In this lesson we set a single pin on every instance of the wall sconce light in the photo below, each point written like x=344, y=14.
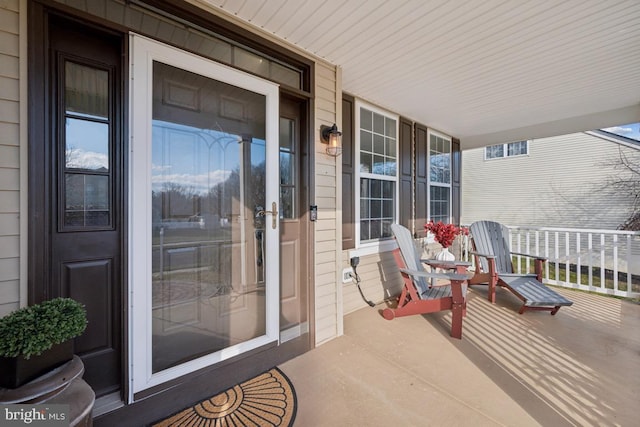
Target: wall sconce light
x=331, y=136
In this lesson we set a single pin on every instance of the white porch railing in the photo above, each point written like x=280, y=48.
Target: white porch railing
x=603, y=261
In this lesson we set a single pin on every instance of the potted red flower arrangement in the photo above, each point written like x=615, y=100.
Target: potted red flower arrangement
x=445, y=234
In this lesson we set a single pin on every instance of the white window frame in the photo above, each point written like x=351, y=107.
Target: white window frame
x=382, y=245
x=505, y=150
x=435, y=183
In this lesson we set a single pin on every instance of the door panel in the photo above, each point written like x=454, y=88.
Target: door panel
x=84, y=182
x=293, y=222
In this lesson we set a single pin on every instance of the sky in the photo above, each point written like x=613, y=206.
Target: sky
x=630, y=131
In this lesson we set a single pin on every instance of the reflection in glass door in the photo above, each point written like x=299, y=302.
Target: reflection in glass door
x=208, y=167
x=209, y=291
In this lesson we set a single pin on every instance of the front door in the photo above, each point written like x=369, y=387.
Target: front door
x=75, y=192
x=294, y=202
x=204, y=217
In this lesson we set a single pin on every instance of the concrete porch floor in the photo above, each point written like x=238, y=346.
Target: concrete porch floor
x=579, y=367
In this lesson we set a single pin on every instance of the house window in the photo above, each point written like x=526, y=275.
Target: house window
x=511, y=149
x=377, y=174
x=439, y=177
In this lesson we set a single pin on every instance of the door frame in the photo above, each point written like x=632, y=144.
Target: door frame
x=144, y=52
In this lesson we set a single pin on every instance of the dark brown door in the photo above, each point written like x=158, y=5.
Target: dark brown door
x=78, y=166
x=293, y=214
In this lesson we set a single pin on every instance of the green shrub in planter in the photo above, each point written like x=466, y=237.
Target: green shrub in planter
x=31, y=330
x=27, y=333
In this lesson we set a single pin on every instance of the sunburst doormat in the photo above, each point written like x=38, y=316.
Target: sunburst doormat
x=266, y=400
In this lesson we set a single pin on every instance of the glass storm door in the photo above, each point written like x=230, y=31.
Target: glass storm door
x=204, y=220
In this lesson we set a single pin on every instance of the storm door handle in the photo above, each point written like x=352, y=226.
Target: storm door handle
x=274, y=214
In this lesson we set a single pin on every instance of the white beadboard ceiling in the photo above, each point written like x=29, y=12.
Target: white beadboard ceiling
x=485, y=71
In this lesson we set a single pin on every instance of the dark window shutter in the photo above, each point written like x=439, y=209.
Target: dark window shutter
x=406, y=169
x=456, y=168
x=348, y=174
x=422, y=181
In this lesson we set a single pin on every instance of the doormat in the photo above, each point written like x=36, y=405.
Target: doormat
x=266, y=400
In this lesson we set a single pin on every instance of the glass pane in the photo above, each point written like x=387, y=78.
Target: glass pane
x=378, y=123
x=286, y=169
x=86, y=200
x=96, y=192
x=376, y=209
x=364, y=230
x=364, y=209
x=287, y=203
x=378, y=165
x=375, y=229
x=366, y=141
x=365, y=190
x=366, y=162
x=86, y=145
x=86, y=91
x=251, y=62
x=376, y=188
x=286, y=134
x=387, y=211
x=378, y=144
x=389, y=167
x=391, y=147
x=74, y=192
x=97, y=218
x=390, y=127
x=287, y=76
x=366, y=119
x=387, y=189
x=208, y=183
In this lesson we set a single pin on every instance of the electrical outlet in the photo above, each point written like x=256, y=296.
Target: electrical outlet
x=346, y=275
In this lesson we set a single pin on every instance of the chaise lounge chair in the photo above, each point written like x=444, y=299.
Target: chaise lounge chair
x=494, y=267
x=417, y=295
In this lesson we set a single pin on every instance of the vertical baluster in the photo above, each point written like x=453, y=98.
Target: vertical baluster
x=546, y=254
x=519, y=257
x=629, y=289
x=567, y=264
x=602, y=255
x=615, y=263
x=578, y=261
x=528, y=251
x=556, y=255
x=590, y=254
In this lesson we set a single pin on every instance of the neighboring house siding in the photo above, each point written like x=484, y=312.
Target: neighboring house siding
x=327, y=242
x=562, y=182
x=9, y=158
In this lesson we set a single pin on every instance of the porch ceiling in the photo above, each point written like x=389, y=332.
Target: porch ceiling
x=485, y=71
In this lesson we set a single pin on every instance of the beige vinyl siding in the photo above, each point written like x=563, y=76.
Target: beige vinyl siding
x=9, y=158
x=562, y=182
x=379, y=280
x=327, y=241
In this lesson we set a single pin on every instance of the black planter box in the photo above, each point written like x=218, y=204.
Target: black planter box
x=16, y=371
